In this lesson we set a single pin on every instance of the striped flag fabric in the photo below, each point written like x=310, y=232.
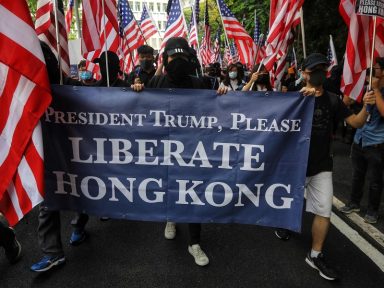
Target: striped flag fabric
x=25, y=95
x=93, y=23
x=331, y=56
x=46, y=30
x=175, y=24
x=192, y=39
x=69, y=15
x=147, y=25
x=215, y=56
x=358, y=48
x=286, y=14
x=236, y=31
x=128, y=27
x=205, y=48
x=259, y=40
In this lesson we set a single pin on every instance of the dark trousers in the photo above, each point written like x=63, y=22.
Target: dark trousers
x=7, y=237
x=367, y=162
x=194, y=233
x=79, y=222
x=49, y=232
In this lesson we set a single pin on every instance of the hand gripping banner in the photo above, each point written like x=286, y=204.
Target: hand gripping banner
x=178, y=155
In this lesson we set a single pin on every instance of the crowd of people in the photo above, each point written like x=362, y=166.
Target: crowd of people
x=180, y=68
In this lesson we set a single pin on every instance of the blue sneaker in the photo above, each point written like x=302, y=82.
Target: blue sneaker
x=77, y=237
x=47, y=262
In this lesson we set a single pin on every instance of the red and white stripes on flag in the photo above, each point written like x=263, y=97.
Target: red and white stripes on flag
x=46, y=30
x=92, y=22
x=68, y=16
x=286, y=15
x=113, y=44
x=332, y=58
x=359, y=45
x=25, y=95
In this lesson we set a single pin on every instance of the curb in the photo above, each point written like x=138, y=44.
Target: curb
x=356, y=222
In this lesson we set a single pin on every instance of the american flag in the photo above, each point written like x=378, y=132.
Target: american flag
x=215, y=57
x=25, y=95
x=131, y=35
x=331, y=56
x=286, y=14
x=205, y=49
x=46, y=30
x=197, y=11
x=231, y=54
x=237, y=32
x=69, y=15
x=358, y=48
x=147, y=25
x=175, y=24
x=93, y=23
x=192, y=39
x=259, y=41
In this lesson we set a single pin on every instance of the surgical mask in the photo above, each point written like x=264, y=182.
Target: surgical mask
x=85, y=75
x=146, y=64
x=232, y=75
x=317, y=78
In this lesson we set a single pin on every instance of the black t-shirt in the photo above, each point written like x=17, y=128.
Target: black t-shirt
x=164, y=81
x=144, y=76
x=326, y=112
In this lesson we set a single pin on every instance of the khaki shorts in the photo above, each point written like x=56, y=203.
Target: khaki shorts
x=319, y=194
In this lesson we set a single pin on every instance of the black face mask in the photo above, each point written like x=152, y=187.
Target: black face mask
x=146, y=64
x=317, y=78
x=178, y=69
x=263, y=79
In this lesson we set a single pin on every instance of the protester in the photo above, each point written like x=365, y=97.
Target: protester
x=318, y=184
x=85, y=76
x=179, y=74
x=259, y=80
x=113, y=71
x=233, y=80
x=367, y=153
x=9, y=242
x=146, y=70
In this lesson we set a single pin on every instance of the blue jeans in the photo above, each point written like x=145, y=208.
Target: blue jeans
x=367, y=162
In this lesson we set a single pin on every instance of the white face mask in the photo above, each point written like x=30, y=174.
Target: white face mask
x=232, y=75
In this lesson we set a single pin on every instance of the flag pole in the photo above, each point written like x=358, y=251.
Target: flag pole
x=303, y=32
x=77, y=19
x=372, y=52
x=105, y=42
x=197, y=37
x=58, y=40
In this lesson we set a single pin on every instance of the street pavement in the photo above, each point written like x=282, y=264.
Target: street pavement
x=131, y=254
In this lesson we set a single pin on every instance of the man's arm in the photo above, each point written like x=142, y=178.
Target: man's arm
x=358, y=120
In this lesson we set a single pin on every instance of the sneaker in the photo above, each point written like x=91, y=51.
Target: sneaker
x=282, y=234
x=349, y=208
x=371, y=217
x=14, y=253
x=319, y=264
x=77, y=237
x=170, y=231
x=47, y=263
x=201, y=258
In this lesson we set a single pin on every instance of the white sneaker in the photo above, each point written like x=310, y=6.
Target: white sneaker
x=201, y=258
x=170, y=231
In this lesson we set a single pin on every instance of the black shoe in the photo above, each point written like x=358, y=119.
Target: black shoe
x=371, y=217
x=349, y=208
x=282, y=234
x=14, y=252
x=320, y=265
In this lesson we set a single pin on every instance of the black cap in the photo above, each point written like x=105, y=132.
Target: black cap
x=177, y=45
x=113, y=59
x=313, y=60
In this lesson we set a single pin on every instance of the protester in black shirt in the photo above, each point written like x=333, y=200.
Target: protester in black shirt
x=146, y=70
x=318, y=184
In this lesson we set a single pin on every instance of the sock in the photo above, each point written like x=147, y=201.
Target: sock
x=314, y=253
